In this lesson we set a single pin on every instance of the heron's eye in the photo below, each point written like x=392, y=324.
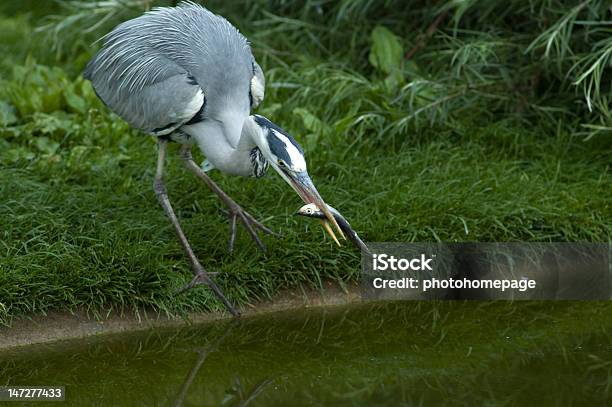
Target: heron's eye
x=282, y=164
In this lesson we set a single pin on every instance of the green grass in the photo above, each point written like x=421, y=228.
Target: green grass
x=80, y=226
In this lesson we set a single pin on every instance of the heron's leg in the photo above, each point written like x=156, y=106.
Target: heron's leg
x=203, y=355
x=200, y=275
x=235, y=211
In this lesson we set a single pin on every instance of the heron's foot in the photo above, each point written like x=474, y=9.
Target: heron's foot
x=237, y=214
x=204, y=278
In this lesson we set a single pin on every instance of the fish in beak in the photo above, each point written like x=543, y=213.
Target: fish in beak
x=314, y=211
x=302, y=184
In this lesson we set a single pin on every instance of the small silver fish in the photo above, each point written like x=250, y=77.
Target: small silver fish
x=312, y=211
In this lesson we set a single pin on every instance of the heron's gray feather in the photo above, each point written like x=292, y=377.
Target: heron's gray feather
x=154, y=68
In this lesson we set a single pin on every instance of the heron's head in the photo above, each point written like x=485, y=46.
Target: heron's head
x=286, y=156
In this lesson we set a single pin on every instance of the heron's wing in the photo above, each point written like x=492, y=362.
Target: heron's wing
x=258, y=85
x=150, y=92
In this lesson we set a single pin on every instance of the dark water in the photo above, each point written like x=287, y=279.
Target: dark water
x=412, y=353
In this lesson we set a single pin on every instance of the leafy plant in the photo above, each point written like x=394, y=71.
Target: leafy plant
x=387, y=55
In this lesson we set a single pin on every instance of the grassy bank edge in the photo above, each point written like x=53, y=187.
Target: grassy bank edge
x=58, y=326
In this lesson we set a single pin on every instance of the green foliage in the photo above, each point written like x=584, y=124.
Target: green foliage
x=387, y=55
x=79, y=22
x=591, y=71
x=527, y=58
x=40, y=89
x=41, y=107
x=7, y=114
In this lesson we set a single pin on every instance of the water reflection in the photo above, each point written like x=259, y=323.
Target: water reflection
x=378, y=354
x=240, y=396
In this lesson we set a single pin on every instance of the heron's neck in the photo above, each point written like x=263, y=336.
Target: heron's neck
x=230, y=148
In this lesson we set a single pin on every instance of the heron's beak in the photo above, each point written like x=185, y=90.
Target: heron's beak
x=302, y=184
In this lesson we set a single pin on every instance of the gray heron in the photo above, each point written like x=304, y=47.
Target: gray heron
x=186, y=75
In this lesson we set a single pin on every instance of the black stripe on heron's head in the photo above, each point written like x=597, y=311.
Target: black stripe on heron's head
x=277, y=146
